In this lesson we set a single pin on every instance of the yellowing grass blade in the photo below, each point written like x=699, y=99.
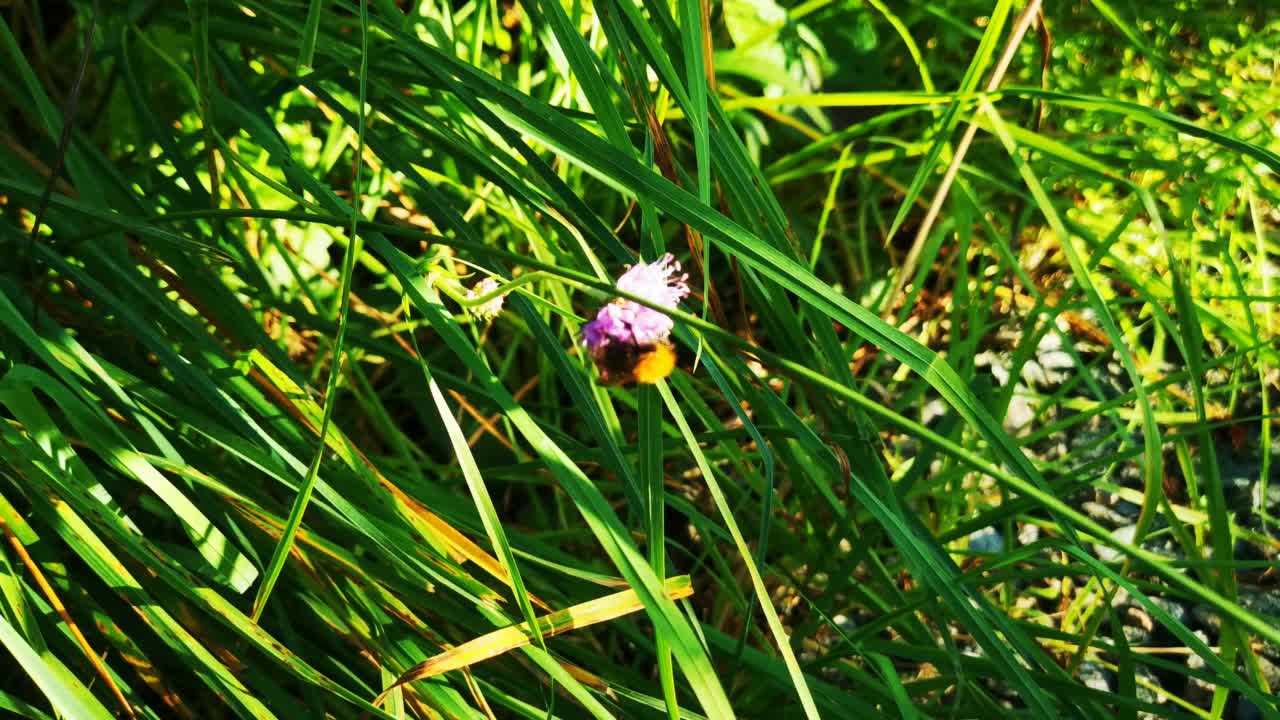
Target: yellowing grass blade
x=512, y=637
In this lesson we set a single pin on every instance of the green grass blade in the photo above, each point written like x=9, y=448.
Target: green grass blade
x=281, y=553
x=780, y=636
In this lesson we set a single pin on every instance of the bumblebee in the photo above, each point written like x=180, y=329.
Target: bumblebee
x=626, y=363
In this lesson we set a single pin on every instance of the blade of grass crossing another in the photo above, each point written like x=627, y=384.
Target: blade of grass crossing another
x=981, y=59
x=199, y=12
x=651, y=478
x=715, y=368
x=281, y=553
x=15, y=605
x=1226, y=674
x=1220, y=535
x=60, y=505
x=64, y=701
x=757, y=581
x=22, y=709
x=586, y=70
x=1265, y=277
x=111, y=445
x=307, y=49
x=603, y=160
x=493, y=528
x=70, y=626
x=651, y=469
x=1148, y=116
x=405, y=269
x=484, y=504
x=693, y=17
x=509, y=638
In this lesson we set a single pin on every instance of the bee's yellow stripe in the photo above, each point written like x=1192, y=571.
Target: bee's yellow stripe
x=655, y=364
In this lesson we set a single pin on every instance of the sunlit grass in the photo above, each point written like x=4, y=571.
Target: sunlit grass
x=972, y=412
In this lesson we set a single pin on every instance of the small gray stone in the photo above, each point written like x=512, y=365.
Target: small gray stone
x=987, y=540
x=1208, y=618
x=1028, y=534
x=1163, y=545
x=931, y=411
x=997, y=363
x=1020, y=411
x=1270, y=672
x=1124, y=535
x=1172, y=607
x=1141, y=690
x=1127, y=509
x=845, y=623
x=1238, y=481
x=1094, y=676
x=1138, y=627
x=1273, y=494
x=1130, y=474
x=1056, y=360
x=1198, y=692
x=1001, y=688
x=1135, y=635
x=1102, y=513
x=1034, y=375
x=1264, y=603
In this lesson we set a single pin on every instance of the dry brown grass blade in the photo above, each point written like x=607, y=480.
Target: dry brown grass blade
x=52, y=597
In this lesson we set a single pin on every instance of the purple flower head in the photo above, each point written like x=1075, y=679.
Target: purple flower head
x=603, y=330
x=626, y=321
x=657, y=282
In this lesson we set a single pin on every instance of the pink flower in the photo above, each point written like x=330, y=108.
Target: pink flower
x=626, y=321
x=656, y=282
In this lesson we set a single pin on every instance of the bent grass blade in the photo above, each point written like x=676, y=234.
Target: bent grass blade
x=510, y=638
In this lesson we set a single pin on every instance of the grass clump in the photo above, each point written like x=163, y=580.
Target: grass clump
x=972, y=412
